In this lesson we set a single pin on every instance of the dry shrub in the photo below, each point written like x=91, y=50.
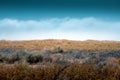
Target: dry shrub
x=78, y=72
x=34, y=58
x=58, y=72
x=46, y=72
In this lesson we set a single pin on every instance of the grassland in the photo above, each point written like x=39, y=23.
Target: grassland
x=64, y=44
x=59, y=60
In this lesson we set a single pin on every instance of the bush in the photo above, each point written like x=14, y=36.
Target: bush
x=11, y=58
x=57, y=49
x=1, y=58
x=34, y=58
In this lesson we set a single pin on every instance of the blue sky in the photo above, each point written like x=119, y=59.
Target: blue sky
x=59, y=19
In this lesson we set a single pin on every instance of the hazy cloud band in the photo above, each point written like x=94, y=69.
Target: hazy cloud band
x=57, y=28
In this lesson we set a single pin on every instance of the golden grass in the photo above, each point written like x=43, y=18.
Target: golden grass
x=64, y=44
x=58, y=72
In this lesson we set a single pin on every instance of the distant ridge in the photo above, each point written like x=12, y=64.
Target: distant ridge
x=63, y=43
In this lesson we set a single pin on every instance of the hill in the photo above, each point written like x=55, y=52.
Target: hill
x=90, y=45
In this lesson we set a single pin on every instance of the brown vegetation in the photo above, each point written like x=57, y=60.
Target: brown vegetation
x=90, y=45
x=59, y=60
x=58, y=72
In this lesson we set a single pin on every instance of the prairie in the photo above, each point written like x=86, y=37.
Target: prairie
x=59, y=60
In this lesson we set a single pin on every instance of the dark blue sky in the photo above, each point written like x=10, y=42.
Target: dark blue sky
x=35, y=9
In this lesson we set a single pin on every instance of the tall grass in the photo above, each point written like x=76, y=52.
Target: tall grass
x=58, y=72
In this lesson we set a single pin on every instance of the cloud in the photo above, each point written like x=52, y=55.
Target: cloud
x=59, y=28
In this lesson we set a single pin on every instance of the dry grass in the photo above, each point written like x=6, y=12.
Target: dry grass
x=54, y=51
x=90, y=45
x=58, y=72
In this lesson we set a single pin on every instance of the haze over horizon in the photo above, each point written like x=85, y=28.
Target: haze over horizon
x=60, y=19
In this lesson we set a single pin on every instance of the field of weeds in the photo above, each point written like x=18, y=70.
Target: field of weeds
x=59, y=60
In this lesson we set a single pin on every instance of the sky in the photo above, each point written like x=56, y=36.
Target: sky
x=60, y=19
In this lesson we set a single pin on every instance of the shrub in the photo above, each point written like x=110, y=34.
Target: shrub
x=11, y=58
x=34, y=58
x=1, y=58
x=57, y=49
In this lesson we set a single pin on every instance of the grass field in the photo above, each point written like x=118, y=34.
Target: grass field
x=59, y=60
x=64, y=44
